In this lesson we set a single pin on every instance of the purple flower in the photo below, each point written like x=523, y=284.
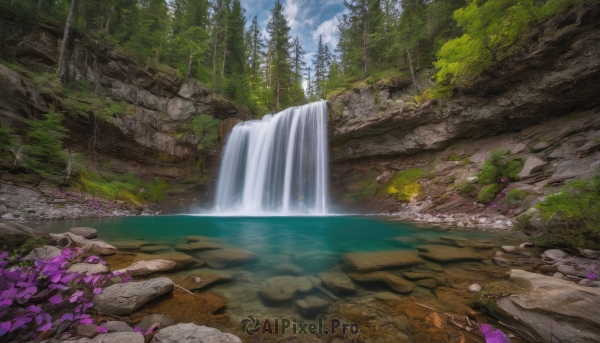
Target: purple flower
x=66, y=316
x=591, y=274
x=4, y=328
x=55, y=299
x=102, y=330
x=493, y=335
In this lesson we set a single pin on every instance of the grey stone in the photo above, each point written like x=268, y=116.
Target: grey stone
x=87, y=268
x=87, y=330
x=163, y=320
x=559, y=275
x=540, y=146
x=526, y=245
x=119, y=337
x=547, y=302
x=147, y=267
x=533, y=164
x=591, y=254
x=45, y=252
x=589, y=283
x=474, y=288
x=530, y=222
x=85, y=232
x=89, y=245
x=124, y=298
x=553, y=254
x=509, y=248
x=117, y=326
x=337, y=282
x=311, y=305
x=191, y=333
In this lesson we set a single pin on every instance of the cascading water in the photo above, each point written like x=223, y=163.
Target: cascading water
x=277, y=165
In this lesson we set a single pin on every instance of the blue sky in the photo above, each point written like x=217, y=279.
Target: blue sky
x=307, y=19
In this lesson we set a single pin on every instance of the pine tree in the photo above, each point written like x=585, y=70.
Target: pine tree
x=256, y=46
x=279, y=47
x=321, y=63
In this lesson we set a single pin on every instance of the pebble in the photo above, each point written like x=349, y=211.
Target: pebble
x=474, y=288
x=526, y=245
x=559, y=275
x=509, y=248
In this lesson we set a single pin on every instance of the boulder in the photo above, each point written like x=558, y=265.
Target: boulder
x=553, y=254
x=96, y=246
x=474, y=288
x=311, y=305
x=124, y=298
x=117, y=326
x=85, y=232
x=446, y=254
x=199, y=281
x=224, y=258
x=288, y=269
x=192, y=333
x=570, y=310
x=44, y=253
x=595, y=255
x=509, y=248
x=530, y=222
x=589, y=283
x=87, y=268
x=533, y=164
x=182, y=260
x=151, y=319
x=11, y=231
x=371, y=261
x=282, y=288
x=397, y=283
x=87, y=330
x=141, y=268
x=198, y=246
x=337, y=282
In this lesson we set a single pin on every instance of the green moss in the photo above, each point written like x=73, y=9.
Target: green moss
x=488, y=193
x=465, y=187
x=32, y=243
x=452, y=157
x=494, y=169
x=465, y=161
x=514, y=196
x=405, y=185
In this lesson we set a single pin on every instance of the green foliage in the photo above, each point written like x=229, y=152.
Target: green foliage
x=494, y=169
x=205, y=127
x=579, y=206
x=124, y=187
x=405, y=186
x=465, y=187
x=32, y=243
x=514, y=196
x=490, y=32
x=452, y=157
x=7, y=141
x=43, y=153
x=488, y=193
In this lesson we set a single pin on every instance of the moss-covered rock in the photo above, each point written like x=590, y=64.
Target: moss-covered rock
x=488, y=193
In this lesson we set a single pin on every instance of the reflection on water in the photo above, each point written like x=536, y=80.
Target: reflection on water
x=310, y=244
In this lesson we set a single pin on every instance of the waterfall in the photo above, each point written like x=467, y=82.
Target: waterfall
x=277, y=165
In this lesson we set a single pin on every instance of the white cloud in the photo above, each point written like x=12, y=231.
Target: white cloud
x=328, y=30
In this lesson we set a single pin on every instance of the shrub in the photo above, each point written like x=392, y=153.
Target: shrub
x=405, y=185
x=494, y=170
x=452, y=157
x=125, y=187
x=205, y=127
x=465, y=187
x=515, y=196
x=7, y=141
x=44, y=153
x=579, y=204
x=488, y=193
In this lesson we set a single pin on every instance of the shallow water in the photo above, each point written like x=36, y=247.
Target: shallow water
x=315, y=244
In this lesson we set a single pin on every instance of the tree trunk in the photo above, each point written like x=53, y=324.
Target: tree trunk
x=411, y=71
x=224, y=55
x=39, y=6
x=61, y=73
x=214, y=60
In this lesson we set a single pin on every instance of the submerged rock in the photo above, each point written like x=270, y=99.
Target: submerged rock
x=288, y=269
x=224, y=258
x=387, y=296
x=141, y=268
x=445, y=254
x=44, y=253
x=198, y=246
x=199, y=281
x=191, y=333
x=311, y=305
x=282, y=288
x=395, y=282
x=153, y=249
x=124, y=298
x=182, y=260
x=371, y=261
x=337, y=282
x=85, y=232
x=542, y=302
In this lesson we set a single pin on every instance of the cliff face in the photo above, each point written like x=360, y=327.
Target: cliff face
x=379, y=129
x=150, y=139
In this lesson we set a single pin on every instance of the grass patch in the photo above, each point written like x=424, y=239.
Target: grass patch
x=494, y=169
x=488, y=193
x=465, y=187
x=405, y=185
x=515, y=196
x=579, y=204
x=452, y=157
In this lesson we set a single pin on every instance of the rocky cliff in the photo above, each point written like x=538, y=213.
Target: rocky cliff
x=149, y=138
x=541, y=105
